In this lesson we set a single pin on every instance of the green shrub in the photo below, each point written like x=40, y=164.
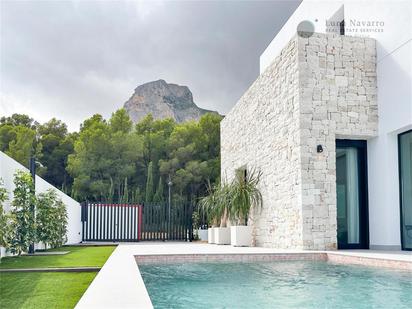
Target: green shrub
x=4, y=226
x=234, y=199
x=216, y=203
x=51, y=219
x=21, y=217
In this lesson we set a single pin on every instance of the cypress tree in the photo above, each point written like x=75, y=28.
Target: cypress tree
x=149, y=183
x=125, y=196
x=137, y=196
x=159, y=196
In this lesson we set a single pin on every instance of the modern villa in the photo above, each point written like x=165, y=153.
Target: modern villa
x=329, y=124
x=315, y=157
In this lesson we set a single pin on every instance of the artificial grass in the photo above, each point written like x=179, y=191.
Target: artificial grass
x=43, y=290
x=77, y=257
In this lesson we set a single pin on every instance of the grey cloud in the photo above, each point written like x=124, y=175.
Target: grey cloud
x=73, y=59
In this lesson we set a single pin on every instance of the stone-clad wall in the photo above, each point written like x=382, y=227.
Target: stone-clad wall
x=315, y=91
x=337, y=86
x=261, y=131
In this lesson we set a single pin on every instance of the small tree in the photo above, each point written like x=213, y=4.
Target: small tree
x=60, y=237
x=51, y=219
x=22, y=222
x=4, y=225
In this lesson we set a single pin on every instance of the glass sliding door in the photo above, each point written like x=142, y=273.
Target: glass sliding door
x=351, y=192
x=405, y=183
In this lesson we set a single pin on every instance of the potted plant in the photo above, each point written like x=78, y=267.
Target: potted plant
x=200, y=233
x=215, y=205
x=211, y=235
x=222, y=233
x=244, y=195
x=208, y=206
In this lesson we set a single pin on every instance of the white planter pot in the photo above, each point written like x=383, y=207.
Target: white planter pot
x=211, y=235
x=222, y=235
x=202, y=234
x=241, y=236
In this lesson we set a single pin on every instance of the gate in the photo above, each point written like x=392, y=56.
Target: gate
x=111, y=222
x=160, y=223
x=134, y=222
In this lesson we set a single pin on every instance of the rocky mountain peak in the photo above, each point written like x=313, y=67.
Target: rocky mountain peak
x=163, y=100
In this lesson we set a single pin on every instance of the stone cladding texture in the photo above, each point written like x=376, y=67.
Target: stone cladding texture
x=317, y=90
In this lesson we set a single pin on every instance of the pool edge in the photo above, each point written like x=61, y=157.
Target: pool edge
x=120, y=283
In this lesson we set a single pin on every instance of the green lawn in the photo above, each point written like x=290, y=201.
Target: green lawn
x=78, y=256
x=43, y=290
x=46, y=289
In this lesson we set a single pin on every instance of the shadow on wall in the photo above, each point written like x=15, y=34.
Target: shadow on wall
x=394, y=88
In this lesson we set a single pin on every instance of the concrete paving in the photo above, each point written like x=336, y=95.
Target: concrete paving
x=378, y=254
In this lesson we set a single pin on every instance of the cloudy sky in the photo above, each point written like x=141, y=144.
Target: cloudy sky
x=71, y=60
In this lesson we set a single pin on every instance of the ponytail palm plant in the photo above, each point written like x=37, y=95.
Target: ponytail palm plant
x=215, y=204
x=244, y=194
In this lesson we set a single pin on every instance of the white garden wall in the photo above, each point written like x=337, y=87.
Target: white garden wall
x=8, y=167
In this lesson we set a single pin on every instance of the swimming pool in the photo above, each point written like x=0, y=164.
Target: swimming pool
x=282, y=284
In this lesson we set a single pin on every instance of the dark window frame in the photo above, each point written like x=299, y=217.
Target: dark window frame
x=364, y=202
x=400, y=189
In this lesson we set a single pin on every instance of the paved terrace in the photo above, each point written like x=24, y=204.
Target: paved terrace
x=120, y=285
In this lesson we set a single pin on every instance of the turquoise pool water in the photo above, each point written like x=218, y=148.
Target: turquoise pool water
x=292, y=284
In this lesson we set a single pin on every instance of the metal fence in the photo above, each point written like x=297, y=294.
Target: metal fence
x=135, y=222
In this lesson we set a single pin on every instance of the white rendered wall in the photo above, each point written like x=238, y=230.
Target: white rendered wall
x=8, y=167
x=307, y=10
x=394, y=69
x=394, y=77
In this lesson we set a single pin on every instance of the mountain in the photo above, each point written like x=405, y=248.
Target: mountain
x=163, y=100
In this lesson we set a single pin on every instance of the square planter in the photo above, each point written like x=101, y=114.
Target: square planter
x=211, y=235
x=241, y=236
x=222, y=235
x=202, y=234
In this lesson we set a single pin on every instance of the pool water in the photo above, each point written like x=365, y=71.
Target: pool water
x=283, y=284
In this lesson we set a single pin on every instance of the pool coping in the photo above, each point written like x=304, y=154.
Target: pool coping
x=227, y=257
x=119, y=284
